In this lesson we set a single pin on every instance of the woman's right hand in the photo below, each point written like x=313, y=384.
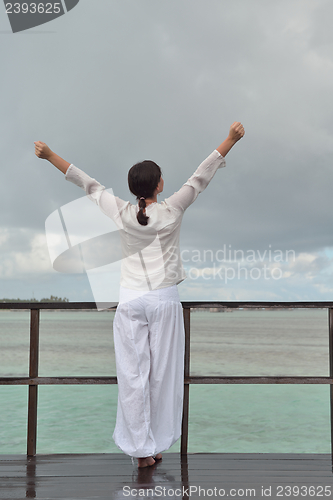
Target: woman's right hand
x=42, y=150
x=236, y=131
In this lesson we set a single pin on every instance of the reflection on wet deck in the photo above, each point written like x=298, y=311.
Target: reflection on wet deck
x=112, y=476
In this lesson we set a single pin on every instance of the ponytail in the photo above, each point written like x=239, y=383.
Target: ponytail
x=143, y=179
x=141, y=216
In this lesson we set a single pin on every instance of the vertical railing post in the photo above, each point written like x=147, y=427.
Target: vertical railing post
x=33, y=389
x=330, y=343
x=184, y=438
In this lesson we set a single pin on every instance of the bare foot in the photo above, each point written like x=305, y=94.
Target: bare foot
x=145, y=462
x=158, y=456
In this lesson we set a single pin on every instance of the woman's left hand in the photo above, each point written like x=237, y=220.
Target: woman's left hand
x=42, y=150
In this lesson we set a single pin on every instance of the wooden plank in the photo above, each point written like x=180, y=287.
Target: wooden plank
x=184, y=437
x=30, y=491
x=105, y=476
x=33, y=389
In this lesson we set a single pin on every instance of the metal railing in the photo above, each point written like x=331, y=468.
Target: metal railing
x=33, y=381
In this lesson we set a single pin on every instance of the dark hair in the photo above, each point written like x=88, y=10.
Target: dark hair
x=143, y=178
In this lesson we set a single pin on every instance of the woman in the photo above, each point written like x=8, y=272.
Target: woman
x=148, y=324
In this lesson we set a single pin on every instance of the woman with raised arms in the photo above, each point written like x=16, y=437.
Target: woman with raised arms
x=148, y=325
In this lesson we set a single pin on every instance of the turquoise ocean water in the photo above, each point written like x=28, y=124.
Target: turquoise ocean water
x=223, y=418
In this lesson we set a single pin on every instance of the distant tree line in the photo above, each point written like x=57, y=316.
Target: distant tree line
x=53, y=298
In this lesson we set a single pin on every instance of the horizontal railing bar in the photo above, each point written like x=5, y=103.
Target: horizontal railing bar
x=188, y=380
x=50, y=305
x=185, y=304
x=57, y=380
x=251, y=304
x=258, y=380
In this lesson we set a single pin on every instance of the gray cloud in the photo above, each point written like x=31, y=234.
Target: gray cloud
x=115, y=83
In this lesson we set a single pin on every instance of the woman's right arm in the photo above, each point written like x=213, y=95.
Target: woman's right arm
x=236, y=132
x=188, y=193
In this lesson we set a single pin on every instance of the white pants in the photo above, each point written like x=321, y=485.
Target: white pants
x=149, y=345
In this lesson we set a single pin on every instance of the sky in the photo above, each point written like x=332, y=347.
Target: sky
x=111, y=83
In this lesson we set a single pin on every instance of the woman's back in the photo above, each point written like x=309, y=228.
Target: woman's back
x=150, y=254
x=151, y=257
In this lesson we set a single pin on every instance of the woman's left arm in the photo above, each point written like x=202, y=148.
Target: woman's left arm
x=43, y=151
x=104, y=198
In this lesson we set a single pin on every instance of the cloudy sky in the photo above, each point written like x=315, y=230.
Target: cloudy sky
x=114, y=82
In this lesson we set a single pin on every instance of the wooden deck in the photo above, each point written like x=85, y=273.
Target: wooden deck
x=112, y=476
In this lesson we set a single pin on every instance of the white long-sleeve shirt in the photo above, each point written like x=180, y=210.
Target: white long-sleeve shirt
x=150, y=254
